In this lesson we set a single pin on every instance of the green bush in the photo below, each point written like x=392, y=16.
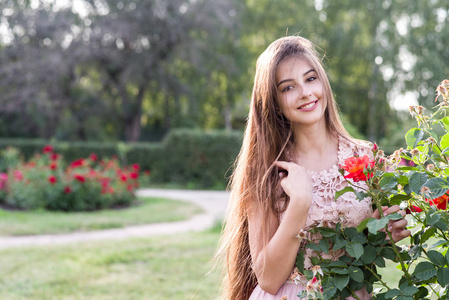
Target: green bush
x=46, y=181
x=186, y=157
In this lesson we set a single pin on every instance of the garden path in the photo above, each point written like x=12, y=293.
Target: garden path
x=213, y=203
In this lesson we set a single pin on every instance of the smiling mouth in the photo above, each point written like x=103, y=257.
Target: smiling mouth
x=308, y=105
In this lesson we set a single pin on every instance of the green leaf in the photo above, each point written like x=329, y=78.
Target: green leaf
x=369, y=254
x=425, y=270
x=444, y=142
x=427, y=234
x=400, y=197
x=329, y=291
x=300, y=257
x=341, y=281
x=340, y=242
x=313, y=247
x=443, y=276
x=392, y=293
x=380, y=261
x=413, y=137
x=343, y=191
x=356, y=273
x=417, y=180
x=388, y=183
x=437, y=186
x=409, y=290
x=388, y=253
x=355, y=250
x=341, y=271
x=397, y=199
x=377, y=239
x=436, y=258
x=326, y=232
x=350, y=232
x=369, y=288
x=324, y=245
x=375, y=225
x=337, y=263
x=362, y=225
x=433, y=218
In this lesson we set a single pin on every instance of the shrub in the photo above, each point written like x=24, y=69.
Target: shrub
x=47, y=182
x=186, y=157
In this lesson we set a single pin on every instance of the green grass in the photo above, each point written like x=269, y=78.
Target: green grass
x=164, y=267
x=148, y=210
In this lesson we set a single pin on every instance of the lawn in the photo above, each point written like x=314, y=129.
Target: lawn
x=146, y=211
x=168, y=267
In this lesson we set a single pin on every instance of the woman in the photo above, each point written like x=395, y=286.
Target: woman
x=286, y=174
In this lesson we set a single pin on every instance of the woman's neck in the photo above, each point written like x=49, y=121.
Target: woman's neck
x=315, y=148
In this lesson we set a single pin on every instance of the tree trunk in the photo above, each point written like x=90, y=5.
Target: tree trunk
x=132, y=124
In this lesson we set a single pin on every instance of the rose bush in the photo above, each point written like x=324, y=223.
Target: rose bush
x=46, y=181
x=421, y=188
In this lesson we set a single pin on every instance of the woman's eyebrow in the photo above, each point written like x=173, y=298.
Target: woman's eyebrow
x=289, y=79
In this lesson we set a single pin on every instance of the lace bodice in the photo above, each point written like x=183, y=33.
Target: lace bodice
x=347, y=209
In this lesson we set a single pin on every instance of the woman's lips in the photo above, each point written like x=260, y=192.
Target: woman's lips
x=309, y=106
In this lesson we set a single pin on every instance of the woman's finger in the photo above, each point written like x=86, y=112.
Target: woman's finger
x=399, y=224
x=400, y=234
x=392, y=209
x=284, y=164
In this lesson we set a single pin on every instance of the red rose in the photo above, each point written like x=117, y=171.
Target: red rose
x=130, y=187
x=440, y=202
x=93, y=157
x=18, y=175
x=53, y=166
x=52, y=179
x=134, y=175
x=135, y=167
x=123, y=177
x=47, y=149
x=414, y=208
x=54, y=156
x=356, y=166
x=77, y=163
x=67, y=190
x=80, y=178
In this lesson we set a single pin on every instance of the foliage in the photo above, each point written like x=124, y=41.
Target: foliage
x=423, y=188
x=193, y=158
x=117, y=70
x=46, y=181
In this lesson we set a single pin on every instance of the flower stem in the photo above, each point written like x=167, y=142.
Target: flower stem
x=395, y=249
x=353, y=293
x=378, y=278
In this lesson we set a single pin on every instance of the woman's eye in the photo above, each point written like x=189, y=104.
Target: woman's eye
x=312, y=78
x=287, y=88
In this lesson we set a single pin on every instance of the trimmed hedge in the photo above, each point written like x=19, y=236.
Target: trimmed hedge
x=193, y=158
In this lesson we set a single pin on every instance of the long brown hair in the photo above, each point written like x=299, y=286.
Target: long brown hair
x=255, y=181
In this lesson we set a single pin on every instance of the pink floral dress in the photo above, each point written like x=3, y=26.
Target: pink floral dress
x=325, y=211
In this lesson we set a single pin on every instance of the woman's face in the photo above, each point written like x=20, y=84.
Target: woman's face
x=300, y=92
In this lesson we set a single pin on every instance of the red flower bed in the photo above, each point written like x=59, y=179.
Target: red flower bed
x=47, y=182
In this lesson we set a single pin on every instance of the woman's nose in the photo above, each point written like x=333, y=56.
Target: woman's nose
x=304, y=92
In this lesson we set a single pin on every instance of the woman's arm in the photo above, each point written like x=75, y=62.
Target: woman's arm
x=274, y=262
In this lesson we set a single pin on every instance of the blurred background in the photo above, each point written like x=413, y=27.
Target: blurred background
x=99, y=98
x=114, y=71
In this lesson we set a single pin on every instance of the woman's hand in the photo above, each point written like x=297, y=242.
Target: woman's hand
x=296, y=182
x=396, y=227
